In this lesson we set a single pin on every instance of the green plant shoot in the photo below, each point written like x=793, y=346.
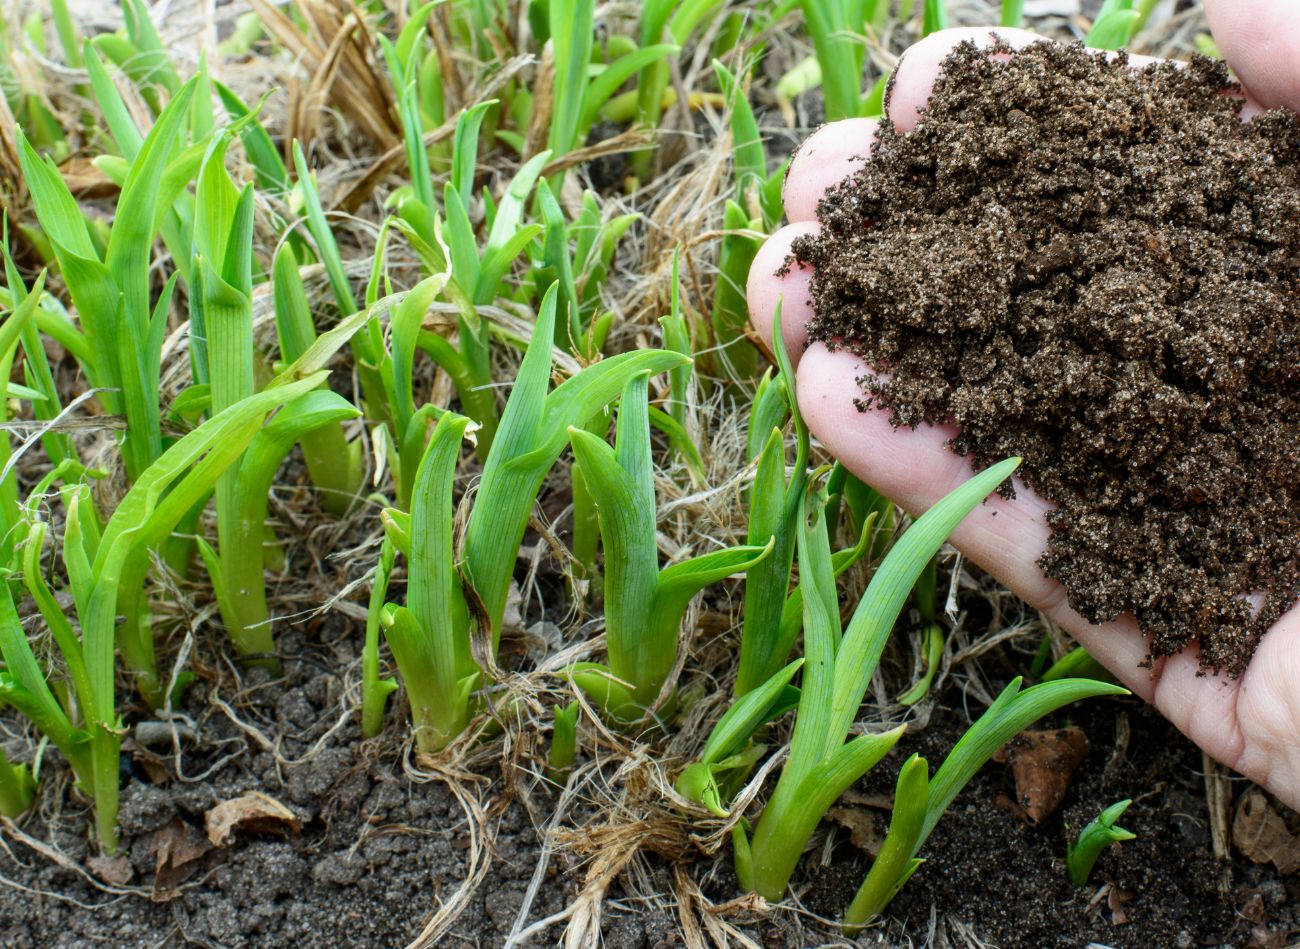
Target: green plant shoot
x=643, y=604
x=1100, y=833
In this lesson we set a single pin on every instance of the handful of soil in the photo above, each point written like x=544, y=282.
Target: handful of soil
x=1097, y=268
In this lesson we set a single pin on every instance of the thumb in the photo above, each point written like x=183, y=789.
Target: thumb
x=1261, y=41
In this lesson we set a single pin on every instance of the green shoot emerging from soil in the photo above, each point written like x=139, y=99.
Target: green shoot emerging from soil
x=1102, y=831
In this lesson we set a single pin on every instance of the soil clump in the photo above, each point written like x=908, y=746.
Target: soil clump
x=1095, y=267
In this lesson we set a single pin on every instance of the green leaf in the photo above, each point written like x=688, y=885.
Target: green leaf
x=745, y=715
x=935, y=17
x=613, y=695
x=747, y=142
x=874, y=618
x=263, y=155
x=465, y=151
x=1011, y=713
x=603, y=87
x=680, y=581
x=126, y=135
x=895, y=862
x=1113, y=30
x=571, y=39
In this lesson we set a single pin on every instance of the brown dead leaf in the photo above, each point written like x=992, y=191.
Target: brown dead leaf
x=1261, y=833
x=862, y=815
x=86, y=181
x=116, y=870
x=176, y=848
x=251, y=813
x=1261, y=937
x=865, y=828
x=1115, y=901
x=1042, y=763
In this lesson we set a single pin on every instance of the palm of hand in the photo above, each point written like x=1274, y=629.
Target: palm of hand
x=1252, y=723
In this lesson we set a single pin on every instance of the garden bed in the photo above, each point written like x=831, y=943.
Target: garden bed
x=315, y=736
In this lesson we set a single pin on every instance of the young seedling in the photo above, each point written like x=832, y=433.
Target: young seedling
x=102, y=567
x=1100, y=833
x=920, y=801
x=430, y=636
x=17, y=787
x=123, y=330
x=643, y=604
x=221, y=315
x=564, y=743
x=838, y=670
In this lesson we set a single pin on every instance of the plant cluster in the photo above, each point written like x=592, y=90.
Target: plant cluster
x=495, y=273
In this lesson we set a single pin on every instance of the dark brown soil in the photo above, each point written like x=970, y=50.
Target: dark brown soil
x=1095, y=268
x=376, y=851
x=374, y=855
x=1164, y=889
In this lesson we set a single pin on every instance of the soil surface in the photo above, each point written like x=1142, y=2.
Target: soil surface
x=373, y=855
x=1095, y=267
x=996, y=875
x=374, y=851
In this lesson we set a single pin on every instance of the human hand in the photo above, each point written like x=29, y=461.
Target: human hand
x=1252, y=723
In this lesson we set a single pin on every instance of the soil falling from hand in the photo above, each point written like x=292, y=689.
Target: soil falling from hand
x=1097, y=268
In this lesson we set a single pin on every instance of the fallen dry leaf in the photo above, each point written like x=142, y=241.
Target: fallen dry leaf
x=116, y=870
x=864, y=827
x=861, y=815
x=1115, y=901
x=176, y=848
x=252, y=813
x=1042, y=763
x=1261, y=833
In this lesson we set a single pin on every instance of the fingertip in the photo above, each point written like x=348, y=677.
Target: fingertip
x=791, y=290
x=912, y=467
x=828, y=156
x=1261, y=41
x=920, y=65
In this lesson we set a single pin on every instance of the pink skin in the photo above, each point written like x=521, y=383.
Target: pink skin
x=1251, y=724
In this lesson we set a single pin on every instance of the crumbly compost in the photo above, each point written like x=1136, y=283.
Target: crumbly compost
x=1095, y=267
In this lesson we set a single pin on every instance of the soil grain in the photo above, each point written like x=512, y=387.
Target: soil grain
x=1094, y=267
